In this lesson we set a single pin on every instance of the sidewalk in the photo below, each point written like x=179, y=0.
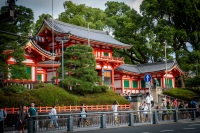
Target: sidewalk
x=98, y=128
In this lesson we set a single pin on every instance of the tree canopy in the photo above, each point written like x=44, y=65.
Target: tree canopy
x=177, y=23
x=12, y=39
x=82, y=15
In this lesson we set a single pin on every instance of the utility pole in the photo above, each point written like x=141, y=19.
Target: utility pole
x=62, y=40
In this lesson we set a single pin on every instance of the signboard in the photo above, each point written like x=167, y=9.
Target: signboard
x=147, y=85
x=147, y=78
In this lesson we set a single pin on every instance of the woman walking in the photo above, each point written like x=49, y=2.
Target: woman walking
x=22, y=118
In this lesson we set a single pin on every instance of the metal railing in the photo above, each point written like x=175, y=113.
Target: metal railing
x=74, y=121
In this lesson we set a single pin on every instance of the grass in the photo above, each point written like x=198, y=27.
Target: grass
x=48, y=95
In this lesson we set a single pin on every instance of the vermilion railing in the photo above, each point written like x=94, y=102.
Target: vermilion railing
x=62, y=109
x=109, y=58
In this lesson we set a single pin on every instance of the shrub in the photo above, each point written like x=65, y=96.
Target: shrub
x=48, y=95
x=104, y=88
x=180, y=93
x=13, y=89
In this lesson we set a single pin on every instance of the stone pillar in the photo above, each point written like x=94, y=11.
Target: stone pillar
x=155, y=92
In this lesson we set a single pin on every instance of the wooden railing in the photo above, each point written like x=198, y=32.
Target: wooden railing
x=121, y=59
x=63, y=109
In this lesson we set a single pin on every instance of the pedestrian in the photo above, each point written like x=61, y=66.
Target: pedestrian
x=83, y=115
x=53, y=116
x=129, y=97
x=141, y=108
x=32, y=113
x=145, y=112
x=148, y=99
x=3, y=115
x=22, y=118
x=163, y=107
x=152, y=100
x=114, y=108
x=175, y=103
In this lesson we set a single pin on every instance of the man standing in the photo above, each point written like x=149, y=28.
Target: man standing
x=53, y=117
x=3, y=115
x=32, y=111
x=114, y=108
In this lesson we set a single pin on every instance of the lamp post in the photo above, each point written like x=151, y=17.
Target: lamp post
x=62, y=40
x=165, y=65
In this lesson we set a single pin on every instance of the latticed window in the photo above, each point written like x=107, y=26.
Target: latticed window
x=105, y=54
x=143, y=84
x=39, y=77
x=135, y=84
x=159, y=82
x=108, y=77
x=28, y=71
x=169, y=82
x=126, y=83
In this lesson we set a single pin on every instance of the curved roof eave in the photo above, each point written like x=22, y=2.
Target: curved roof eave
x=31, y=43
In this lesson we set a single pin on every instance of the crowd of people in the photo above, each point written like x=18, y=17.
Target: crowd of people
x=165, y=108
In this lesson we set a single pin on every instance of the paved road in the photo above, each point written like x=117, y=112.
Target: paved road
x=184, y=127
x=162, y=128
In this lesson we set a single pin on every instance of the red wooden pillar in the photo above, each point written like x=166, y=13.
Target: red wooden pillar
x=112, y=72
x=56, y=76
x=122, y=85
x=36, y=73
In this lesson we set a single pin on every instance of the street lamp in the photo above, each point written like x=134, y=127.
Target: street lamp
x=166, y=65
x=62, y=40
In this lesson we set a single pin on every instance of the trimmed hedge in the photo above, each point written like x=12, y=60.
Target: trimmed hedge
x=48, y=95
x=180, y=93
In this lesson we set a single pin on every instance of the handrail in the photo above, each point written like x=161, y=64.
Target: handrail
x=63, y=109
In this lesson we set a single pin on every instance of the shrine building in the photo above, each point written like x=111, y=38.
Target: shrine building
x=43, y=54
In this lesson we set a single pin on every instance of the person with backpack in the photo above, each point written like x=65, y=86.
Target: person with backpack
x=83, y=115
x=193, y=104
x=3, y=115
x=194, y=108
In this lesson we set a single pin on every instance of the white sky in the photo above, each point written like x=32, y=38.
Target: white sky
x=45, y=6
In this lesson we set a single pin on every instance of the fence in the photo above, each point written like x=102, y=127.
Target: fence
x=73, y=121
x=63, y=109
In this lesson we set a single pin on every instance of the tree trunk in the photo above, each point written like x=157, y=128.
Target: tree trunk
x=182, y=83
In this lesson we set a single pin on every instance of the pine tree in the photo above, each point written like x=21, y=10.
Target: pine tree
x=79, y=70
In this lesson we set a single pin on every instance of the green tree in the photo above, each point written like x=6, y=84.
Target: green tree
x=82, y=15
x=80, y=74
x=12, y=39
x=177, y=23
x=39, y=22
x=131, y=28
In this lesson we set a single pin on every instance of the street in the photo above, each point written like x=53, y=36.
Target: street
x=161, y=128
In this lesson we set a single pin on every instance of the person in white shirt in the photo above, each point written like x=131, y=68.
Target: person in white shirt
x=114, y=108
x=53, y=116
x=148, y=100
x=152, y=100
x=145, y=111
